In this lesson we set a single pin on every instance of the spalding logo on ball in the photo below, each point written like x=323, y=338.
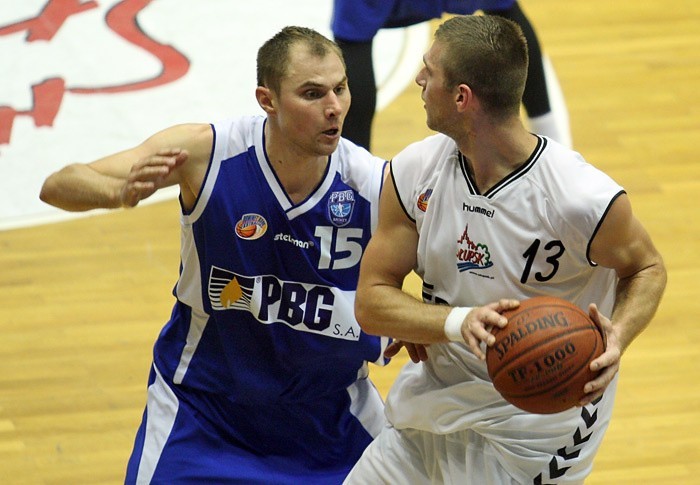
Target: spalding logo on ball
x=541, y=359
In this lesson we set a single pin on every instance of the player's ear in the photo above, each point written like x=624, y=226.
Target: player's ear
x=464, y=97
x=265, y=99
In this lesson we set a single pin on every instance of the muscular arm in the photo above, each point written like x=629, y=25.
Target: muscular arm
x=125, y=178
x=382, y=308
x=624, y=245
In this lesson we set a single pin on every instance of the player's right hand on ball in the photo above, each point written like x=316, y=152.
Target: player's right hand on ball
x=476, y=328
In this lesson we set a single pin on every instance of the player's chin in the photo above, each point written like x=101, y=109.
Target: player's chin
x=329, y=142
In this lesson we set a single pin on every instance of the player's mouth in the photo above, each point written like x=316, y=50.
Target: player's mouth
x=333, y=132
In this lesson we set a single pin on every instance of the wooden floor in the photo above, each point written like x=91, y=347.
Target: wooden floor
x=81, y=302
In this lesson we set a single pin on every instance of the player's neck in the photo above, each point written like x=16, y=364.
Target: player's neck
x=495, y=154
x=298, y=171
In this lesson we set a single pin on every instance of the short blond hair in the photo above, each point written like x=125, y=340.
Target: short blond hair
x=273, y=56
x=489, y=54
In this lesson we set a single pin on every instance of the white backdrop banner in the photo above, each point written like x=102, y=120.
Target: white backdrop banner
x=83, y=79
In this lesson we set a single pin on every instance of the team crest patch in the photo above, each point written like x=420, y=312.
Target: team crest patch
x=251, y=226
x=340, y=206
x=471, y=255
x=422, y=202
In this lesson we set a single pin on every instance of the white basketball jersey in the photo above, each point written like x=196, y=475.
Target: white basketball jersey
x=528, y=235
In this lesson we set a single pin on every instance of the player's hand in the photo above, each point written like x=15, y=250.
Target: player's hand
x=609, y=361
x=476, y=328
x=417, y=352
x=149, y=174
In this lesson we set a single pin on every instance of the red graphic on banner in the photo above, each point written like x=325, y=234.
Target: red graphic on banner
x=46, y=24
x=121, y=19
x=47, y=98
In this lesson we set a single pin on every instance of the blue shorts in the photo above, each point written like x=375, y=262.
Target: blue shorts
x=188, y=436
x=360, y=20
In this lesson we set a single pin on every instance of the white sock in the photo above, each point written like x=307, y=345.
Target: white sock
x=554, y=124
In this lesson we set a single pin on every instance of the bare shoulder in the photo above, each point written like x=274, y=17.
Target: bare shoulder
x=196, y=138
x=622, y=242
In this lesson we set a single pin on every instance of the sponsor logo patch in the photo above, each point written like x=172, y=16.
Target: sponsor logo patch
x=470, y=254
x=423, y=199
x=305, y=307
x=251, y=227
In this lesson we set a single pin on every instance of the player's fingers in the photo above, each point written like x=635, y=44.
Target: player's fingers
x=493, y=318
x=172, y=157
x=609, y=358
x=505, y=304
x=595, y=388
x=134, y=192
x=170, y=151
x=589, y=398
x=163, y=159
x=416, y=352
x=422, y=352
x=181, y=157
x=608, y=364
x=393, y=348
x=502, y=305
x=148, y=172
x=474, y=345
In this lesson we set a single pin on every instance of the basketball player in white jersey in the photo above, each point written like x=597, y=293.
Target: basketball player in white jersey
x=487, y=210
x=260, y=375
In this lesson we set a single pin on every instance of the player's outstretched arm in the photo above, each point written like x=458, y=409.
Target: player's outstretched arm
x=125, y=178
x=623, y=244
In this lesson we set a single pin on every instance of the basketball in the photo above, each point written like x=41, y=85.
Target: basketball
x=540, y=360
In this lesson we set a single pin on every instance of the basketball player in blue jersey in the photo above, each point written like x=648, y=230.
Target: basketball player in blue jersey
x=485, y=210
x=260, y=375
x=355, y=23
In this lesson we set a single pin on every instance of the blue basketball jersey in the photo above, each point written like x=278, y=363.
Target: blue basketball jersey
x=267, y=287
x=262, y=342
x=360, y=20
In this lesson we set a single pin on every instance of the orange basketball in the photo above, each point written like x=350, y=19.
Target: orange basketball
x=540, y=360
x=245, y=231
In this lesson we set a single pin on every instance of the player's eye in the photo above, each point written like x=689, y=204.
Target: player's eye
x=312, y=94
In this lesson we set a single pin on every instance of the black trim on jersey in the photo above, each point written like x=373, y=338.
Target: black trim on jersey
x=463, y=165
x=597, y=227
x=398, y=195
x=510, y=178
x=381, y=184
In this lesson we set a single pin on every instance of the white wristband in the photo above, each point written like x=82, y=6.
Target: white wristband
x=453, y=323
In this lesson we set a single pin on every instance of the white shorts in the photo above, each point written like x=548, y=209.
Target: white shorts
x=541, y=455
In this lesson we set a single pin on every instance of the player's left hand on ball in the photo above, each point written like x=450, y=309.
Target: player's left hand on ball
x=608, y=363
x=476, y=328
